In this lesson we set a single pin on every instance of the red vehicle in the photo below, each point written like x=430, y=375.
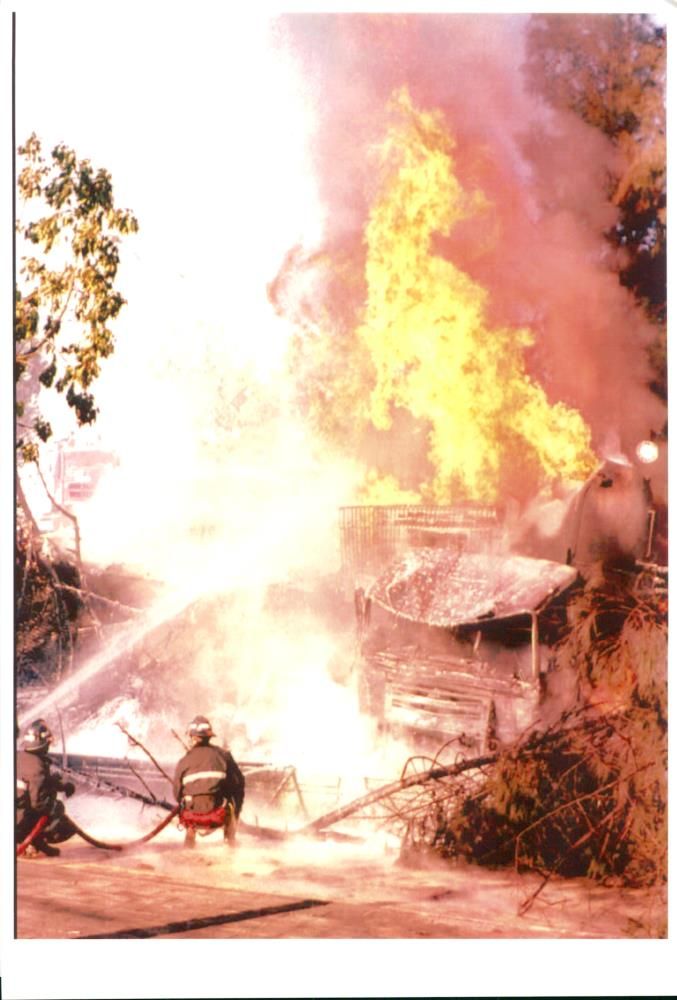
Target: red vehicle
x=77, y=473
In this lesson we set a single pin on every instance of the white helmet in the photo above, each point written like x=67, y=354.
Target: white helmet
x=200, y=729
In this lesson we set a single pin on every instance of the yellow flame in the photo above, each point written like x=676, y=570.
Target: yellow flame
x=385, y=489
x=425, y=329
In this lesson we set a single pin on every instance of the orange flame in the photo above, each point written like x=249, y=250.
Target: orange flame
x=491, y=427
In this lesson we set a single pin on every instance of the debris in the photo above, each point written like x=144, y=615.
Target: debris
x=137, y=743
x=390, y=794
x=444, y=588
x=586, y=796
x=75, y=766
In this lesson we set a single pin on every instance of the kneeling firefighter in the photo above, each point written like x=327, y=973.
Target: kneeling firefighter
x=37, y=805
x=208, y=785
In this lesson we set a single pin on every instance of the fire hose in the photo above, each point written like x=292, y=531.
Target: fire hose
x=130, y=843
x=93, y=840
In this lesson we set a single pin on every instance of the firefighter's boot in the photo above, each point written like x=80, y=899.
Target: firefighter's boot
x=45, y=848
x=229, y=825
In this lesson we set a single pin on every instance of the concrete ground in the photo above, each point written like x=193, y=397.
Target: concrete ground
x=302, y=888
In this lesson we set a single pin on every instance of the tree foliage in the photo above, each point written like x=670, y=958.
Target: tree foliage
x=611, y=71
x=66, y=299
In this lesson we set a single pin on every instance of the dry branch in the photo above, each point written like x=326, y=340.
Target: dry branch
x=432, y=774
x=137, y=743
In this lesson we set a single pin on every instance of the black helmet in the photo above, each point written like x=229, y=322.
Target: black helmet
x=200, y=729
x=38, y=736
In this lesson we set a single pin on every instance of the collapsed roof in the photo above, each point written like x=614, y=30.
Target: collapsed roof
x=444, y=588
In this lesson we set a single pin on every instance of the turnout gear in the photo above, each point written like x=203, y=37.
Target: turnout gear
x=208, y=785
x=36, y=792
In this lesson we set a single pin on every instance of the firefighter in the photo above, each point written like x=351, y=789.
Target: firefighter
x=36, y=794
x=208, y=785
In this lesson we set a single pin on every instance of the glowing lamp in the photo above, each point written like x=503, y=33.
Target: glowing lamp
x=647, y=452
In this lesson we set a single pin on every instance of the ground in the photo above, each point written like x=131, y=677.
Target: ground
x=302, y=888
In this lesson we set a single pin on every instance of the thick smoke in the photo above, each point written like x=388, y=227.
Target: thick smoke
x=538, y=247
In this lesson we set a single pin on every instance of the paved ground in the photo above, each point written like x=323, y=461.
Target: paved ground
x=305, y=889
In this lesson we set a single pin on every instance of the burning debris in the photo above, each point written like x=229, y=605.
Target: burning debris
x=587, y=797
x=583, y=796
x=446, y=589
x=451, y=645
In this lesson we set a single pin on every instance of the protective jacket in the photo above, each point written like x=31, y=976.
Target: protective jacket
x=36, y=795
x=207, y=776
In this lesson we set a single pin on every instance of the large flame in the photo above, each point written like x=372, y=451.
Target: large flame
x=492, y=428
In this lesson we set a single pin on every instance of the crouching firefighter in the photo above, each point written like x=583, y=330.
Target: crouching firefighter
x=208, y=785
x=40, y=815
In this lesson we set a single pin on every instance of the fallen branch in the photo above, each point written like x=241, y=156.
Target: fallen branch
x=140, y=778
x=183, y=744
x=26, y=571
x=137, y=743
x=67, y=513
x=526, y=904
x=433, y=774
x=108, y=787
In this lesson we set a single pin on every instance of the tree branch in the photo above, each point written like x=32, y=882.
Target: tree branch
x=137, y=743
x=67, y=513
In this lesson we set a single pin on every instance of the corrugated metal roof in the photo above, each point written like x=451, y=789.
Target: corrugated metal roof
x=446, y=588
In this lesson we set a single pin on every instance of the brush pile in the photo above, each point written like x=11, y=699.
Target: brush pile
x=47, y=608
x=64, y=609
x=586, y=796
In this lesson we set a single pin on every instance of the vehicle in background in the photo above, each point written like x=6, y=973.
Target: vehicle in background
x=77, y=472
x=457, y=607
x=456, y=644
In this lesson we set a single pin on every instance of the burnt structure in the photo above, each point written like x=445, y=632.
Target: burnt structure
x=452, y=644
x=454, y=629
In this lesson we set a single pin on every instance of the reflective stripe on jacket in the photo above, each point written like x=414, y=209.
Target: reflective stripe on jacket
x=218, y=776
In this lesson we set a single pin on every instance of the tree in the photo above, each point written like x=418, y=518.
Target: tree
x=66, y=300
x=611, y=70
x=65, y=303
